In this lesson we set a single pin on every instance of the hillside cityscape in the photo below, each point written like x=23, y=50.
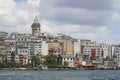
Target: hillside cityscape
x=42, y=51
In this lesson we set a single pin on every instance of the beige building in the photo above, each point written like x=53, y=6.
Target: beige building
x=54, y=48
x=67, y=47
x=106, y=50
x=53, y=45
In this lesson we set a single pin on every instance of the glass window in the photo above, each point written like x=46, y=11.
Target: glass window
x=25, y=39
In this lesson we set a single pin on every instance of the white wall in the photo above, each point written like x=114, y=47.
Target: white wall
x=44, y=48
x=76, y=48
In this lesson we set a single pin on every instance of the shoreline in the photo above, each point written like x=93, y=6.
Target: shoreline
x=52, y=69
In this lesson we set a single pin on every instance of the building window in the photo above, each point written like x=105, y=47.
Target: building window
x=18, y=39
x=98, y=53
x=39, y=46
x=98, y=49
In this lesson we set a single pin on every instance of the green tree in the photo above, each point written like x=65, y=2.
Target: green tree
x=51, y=61
x=66, y=64
x=4, y=64
x=36, y=61
x=11, y=64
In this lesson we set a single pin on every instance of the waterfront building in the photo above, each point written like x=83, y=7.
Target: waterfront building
x=116, y=55
x=106, y=51
x=23, y=53
x=8, y=57
x=17, y=59
x=66, y=58
x=23, y=59
x=92, y=53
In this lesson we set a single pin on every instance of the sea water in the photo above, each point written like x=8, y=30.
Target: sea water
x=60, y=75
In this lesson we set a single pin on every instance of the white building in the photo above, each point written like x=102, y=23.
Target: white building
x=106, y=50
x=92, y=47
x=10, y=44
x=24, y=55
x=92, y=52
x=23, y=51
x=17, y=58
x=76, y=48
x=35, y=45
x=22, y=40
x=38, y=46
x=8, y=57
x=68, y=59
x=116, y=55
x=44, y=49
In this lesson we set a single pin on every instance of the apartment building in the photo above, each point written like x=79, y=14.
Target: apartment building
x=116, y=55
x=63, y=58
x=92, y=53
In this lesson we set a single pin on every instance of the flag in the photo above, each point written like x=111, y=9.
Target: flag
x=93, y=52
x=11, y=43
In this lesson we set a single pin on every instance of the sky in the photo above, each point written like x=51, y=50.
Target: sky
x=97, y=20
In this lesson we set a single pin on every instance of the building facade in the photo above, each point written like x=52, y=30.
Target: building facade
x=92, y=53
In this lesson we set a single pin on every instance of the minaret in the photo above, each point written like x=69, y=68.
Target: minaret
x=35, y=27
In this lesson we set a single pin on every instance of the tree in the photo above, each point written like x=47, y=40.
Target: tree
x=51, y=61
x=12, y=64
x=36, y=61
x=4, y=64
x=66, y=64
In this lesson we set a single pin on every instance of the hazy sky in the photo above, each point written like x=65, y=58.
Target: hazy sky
x=98, y=20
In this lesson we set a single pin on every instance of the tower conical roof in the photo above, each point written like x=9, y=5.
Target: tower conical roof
x=36, y=19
